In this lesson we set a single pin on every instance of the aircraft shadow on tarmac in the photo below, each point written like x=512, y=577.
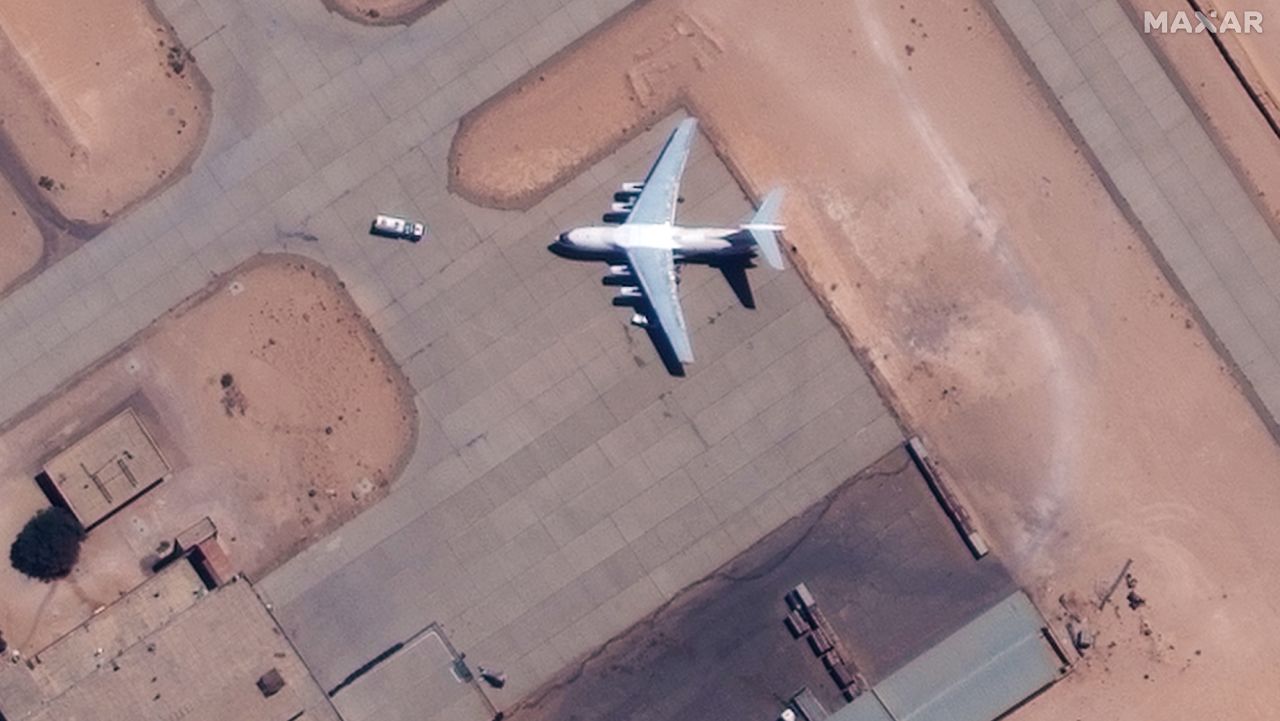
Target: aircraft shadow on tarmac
x=734, y=271
x=732, y=268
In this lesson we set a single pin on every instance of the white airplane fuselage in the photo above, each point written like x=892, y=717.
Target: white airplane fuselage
x=609, y=242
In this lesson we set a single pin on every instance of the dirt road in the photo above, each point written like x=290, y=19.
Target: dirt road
x=1011, y=314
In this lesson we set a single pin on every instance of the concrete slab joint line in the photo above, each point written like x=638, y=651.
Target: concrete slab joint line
x=1167, y=176
x=545, y=432
x=255, y=180
x=548, y=502
x=565, y=484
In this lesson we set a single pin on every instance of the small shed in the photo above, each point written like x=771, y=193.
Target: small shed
x=200, y=545
x=104, y=470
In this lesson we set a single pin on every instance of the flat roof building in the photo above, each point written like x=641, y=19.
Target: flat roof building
x=169, y=649
x=105, y=470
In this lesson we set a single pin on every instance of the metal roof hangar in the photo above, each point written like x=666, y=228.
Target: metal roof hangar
x=991, y=665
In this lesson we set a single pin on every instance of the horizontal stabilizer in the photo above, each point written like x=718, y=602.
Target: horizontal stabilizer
x=764, y=228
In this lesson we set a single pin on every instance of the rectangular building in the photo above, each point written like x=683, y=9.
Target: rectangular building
x=170, y=649
x=979, y=673
x=104, y=470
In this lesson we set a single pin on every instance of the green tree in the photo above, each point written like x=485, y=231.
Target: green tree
x=48, y=547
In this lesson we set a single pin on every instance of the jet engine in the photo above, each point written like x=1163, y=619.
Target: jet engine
x=628, y=192
x=619, y=275
x=628, y=295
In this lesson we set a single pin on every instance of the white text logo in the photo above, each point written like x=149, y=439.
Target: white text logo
x=1248, y=21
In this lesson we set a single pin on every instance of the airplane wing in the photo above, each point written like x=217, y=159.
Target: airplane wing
x=657, y=201
x=656, y=271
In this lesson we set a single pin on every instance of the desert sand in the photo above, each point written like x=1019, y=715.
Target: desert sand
x=21, y=246
x=1007, y=309
x=311, y=425
x=104, y=117
x=382, y=12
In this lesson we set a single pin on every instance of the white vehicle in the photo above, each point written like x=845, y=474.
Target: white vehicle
x=391, y=226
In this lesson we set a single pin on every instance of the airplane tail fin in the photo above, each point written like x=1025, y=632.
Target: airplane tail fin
x=764, y=228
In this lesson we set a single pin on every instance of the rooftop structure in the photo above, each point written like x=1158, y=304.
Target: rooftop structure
x=105, y=470
x=169, y=649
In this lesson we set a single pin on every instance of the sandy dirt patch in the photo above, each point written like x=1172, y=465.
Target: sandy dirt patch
x=382, y=12
x=665, y=50
x=1008, y=310
x=312, y=425
x=21, y=245
x=102, y=104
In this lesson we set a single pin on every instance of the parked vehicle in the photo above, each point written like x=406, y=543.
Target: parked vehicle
x=391, y=226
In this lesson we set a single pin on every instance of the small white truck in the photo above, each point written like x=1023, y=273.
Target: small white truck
x=390, y=226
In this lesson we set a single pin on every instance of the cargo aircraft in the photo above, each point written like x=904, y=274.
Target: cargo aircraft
x=644, y=248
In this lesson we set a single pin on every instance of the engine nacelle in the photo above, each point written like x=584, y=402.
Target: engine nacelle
x=628, y=295
x=619, y=279
x=623, y=196
x=640, y=321
x=620, y=269
x=632, y=187
x=615, y=218
x=622, y=207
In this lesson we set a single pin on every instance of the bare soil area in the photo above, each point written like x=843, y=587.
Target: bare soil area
x=666, y=50
x=102, y=104
x=382, y=12
x=272, y=400
x=1010, y=313
x=21, y=245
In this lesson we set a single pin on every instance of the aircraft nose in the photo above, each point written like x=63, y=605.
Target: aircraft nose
x=560, y=245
